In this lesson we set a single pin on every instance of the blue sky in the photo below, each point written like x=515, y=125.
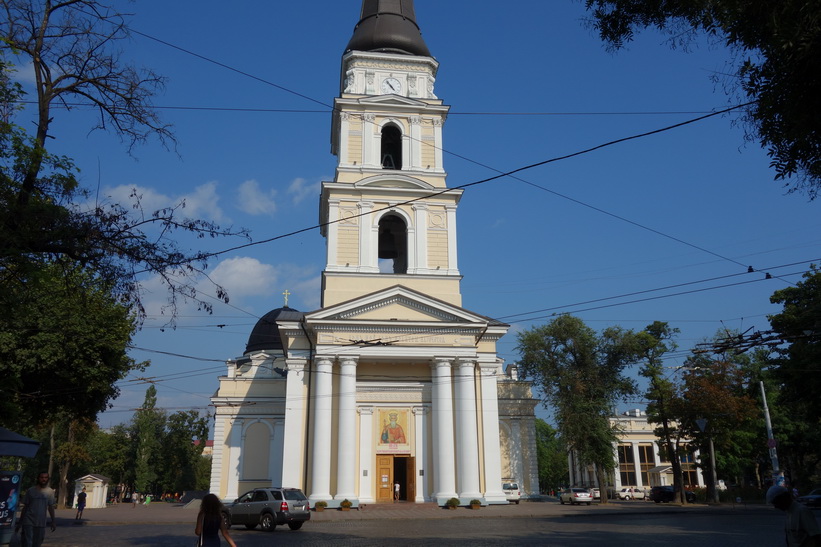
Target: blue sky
x=679, y=207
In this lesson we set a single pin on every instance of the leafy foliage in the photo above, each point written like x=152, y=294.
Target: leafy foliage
x=798, y=372
x=63, y=341
x=581, y=376
x=44, y=213
x=551, y=455
x=779, y=50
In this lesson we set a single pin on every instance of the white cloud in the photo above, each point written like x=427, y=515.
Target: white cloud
x=254, y=201
x=300, y=189
x=244, y=276
x=203, y=202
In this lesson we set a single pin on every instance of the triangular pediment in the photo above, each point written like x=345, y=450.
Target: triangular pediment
x=393, y=181
x=397, y=304
x=392, y=100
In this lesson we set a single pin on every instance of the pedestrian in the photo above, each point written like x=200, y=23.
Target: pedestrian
x=800, y=528
x=81, y=503
x=210, y=523
x=38, y=501
x=396, y=491
x=135, y=499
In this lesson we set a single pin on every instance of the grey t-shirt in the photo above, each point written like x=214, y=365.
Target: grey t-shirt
x=37, y=503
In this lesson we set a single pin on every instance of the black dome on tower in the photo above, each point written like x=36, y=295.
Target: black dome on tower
x=265, y=335
x=388, y=26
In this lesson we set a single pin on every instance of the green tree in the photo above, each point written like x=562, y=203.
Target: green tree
x=182, y=455
x=778, y=46
x=110, y=455
x=551, y=455
x=798, y=373
x=581, y=375
x=664, y=401
x=148, y=428
x=72, y=46
x=716, y=391
x=63, y=348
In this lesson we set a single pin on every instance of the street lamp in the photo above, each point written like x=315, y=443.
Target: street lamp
x=702, y=425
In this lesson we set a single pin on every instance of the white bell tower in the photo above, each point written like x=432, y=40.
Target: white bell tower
x=388, y=216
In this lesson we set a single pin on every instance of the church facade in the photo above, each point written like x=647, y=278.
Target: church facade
x=391, y=381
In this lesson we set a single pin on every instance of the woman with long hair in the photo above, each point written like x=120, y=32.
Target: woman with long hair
x=210, y=523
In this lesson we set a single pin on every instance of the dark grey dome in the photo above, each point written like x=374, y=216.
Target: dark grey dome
x=265, y=335
x=388, y=26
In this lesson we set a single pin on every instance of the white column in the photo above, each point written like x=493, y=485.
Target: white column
x=617, y=475
x=368, y=261
x=414, y=161
x=332, y=241
x=636, y=463
x=516, y=464
x=444, y=473
x=346, y=432
x=453, y=265
x=344, y=138
x=277, y=452
x=438, y=144
x=420, y=262
x=490, y=434
x=296, y=389
x=421, y=453
x=371, y=142
x=322, y=421
x=216, y=458
x=467, y=431
x=234, y=461
x=366, y=454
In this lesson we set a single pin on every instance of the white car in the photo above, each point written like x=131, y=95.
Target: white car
x=575, y=496
x=631, y=494
x=512, y=493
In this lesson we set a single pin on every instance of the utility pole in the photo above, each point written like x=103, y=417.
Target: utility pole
x=778, y=475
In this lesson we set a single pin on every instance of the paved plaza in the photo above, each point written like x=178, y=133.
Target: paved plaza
x=529, y=523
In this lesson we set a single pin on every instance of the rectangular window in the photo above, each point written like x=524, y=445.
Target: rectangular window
x=646, y=462
x=627, y=468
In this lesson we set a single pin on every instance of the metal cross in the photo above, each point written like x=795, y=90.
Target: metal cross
x=287, y=293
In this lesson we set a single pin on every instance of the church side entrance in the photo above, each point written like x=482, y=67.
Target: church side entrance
x=392, y=469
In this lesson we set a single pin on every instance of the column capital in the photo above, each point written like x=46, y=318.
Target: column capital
x=324, y=359
x=420, y=410
x=365, y=410
x=442, y=362
x=466, y=362
x=296, y=364
x=348, y=360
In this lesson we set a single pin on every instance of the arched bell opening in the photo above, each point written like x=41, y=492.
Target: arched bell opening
x=391, y=147
x=393, y=245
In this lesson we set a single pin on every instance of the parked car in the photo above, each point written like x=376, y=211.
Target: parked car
x=268, y=508
x=631, y=494
x=596, y=493
x=512, y=492
x=813, y=499
x=659, y=494
x=574, y=496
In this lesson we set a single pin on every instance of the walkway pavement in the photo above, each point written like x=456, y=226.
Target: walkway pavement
x=170, y=513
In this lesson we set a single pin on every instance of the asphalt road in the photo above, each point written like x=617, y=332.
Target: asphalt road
x=655, y=528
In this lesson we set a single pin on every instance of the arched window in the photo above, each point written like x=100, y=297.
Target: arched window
x=391, y=147
x=393, y=244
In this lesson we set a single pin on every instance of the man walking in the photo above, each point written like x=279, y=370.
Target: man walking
x=800, y=528
x=38, y=500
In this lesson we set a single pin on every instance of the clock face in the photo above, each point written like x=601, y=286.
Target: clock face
x=391, y=85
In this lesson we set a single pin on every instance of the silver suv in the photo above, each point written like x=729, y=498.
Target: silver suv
x=269, y=507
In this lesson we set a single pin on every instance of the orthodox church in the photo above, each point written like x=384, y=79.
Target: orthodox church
x=391, y=380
